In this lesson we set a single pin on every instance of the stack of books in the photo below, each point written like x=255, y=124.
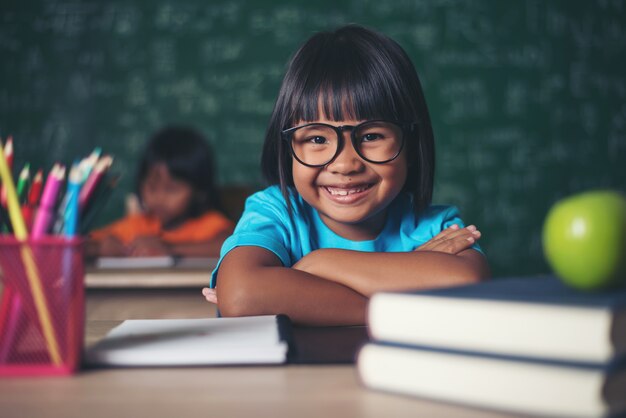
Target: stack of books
x=529, y=345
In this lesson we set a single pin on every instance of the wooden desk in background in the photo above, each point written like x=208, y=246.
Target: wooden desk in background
x=117, y=294
x=272, y=391
x=187, y=273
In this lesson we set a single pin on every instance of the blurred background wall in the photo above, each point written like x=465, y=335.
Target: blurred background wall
x=527, y=97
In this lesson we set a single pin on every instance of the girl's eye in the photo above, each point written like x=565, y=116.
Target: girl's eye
x=371, y=137
x=317, y=140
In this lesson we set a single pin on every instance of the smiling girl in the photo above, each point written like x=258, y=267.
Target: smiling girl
x=350, y=153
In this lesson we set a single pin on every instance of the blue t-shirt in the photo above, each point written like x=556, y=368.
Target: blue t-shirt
x=266, y=223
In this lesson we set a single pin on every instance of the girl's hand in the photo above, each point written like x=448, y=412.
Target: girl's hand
x=452, y=240
x=111, y=247
x=210, y=295
x=148, y=246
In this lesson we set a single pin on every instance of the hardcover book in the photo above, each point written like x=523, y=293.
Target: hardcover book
x=536, y=317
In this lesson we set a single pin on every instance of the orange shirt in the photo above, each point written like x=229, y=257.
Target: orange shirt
x=202, y=228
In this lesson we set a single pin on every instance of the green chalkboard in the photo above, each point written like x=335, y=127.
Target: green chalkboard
x=527, y=98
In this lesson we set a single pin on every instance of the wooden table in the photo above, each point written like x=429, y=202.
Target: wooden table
x=277, y=391
x=268, y=391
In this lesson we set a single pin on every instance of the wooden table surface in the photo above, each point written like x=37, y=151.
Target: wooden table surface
x=272, y=391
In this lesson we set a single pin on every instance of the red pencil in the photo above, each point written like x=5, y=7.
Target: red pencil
x=33, y=198
x=35, y=189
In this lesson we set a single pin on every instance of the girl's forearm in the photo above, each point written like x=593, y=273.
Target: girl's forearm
x=246, y=288
x=368, y=273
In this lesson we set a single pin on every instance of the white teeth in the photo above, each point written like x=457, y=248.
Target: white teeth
x=345, y=192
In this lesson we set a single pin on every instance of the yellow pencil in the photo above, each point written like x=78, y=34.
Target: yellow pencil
x=19, y=227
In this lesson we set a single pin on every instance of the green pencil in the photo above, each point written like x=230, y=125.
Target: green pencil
x=22, y=183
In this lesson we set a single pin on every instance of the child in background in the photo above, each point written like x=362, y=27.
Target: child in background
x=350, y=151
x=179, y=203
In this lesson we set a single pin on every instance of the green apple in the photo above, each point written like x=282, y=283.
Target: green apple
x=584, y=239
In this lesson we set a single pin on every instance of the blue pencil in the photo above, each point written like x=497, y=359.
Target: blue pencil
x=70, y=216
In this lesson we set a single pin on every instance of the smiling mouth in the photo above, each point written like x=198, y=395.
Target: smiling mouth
x=345, y=191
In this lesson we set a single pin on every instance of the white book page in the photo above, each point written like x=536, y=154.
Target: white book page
x=246, y=340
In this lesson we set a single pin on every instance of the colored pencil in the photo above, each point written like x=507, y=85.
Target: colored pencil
x=8, y=156
x=90, y=185
x=45, y=211
x=86, y=166
x=73, y=190
x=88, y=163
x=34, y=193
x=22, y=183
x=32, y=200
x=70, y=226
x=13, y=204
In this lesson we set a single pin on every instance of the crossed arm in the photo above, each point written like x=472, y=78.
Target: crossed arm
x=331, y=286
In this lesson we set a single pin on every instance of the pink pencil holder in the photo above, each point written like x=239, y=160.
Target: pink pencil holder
x=25, y=347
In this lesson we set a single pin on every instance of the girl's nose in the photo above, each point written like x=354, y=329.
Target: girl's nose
x=348, y=160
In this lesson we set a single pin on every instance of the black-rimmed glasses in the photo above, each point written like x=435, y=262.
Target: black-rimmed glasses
x=376, y=141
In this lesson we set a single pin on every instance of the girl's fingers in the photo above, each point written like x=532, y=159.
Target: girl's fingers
x=427, y=246
x=209, y=294
x=463, y=233
x=460, y=242
x=446, y=232
x=454, y=241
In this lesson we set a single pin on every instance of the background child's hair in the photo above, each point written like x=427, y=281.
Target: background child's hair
x=188, y=158
x=353, y=73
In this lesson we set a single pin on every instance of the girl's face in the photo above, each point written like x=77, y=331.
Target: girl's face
x=164, y=196
x=350, y=194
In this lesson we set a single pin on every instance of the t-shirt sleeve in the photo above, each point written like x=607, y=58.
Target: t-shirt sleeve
x=262, y=224
x=437, y=218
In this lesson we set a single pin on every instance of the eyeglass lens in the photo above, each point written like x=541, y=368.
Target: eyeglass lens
x=376, y=141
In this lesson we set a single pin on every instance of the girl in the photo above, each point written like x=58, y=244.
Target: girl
x=176, y=189
x=350, y=151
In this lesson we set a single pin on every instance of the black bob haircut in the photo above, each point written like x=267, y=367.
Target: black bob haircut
x=189, y=158
x=352, y=73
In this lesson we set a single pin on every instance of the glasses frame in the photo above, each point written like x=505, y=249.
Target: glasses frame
x=405, y=127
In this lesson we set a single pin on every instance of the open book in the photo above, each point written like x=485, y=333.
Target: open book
x=193, y=342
